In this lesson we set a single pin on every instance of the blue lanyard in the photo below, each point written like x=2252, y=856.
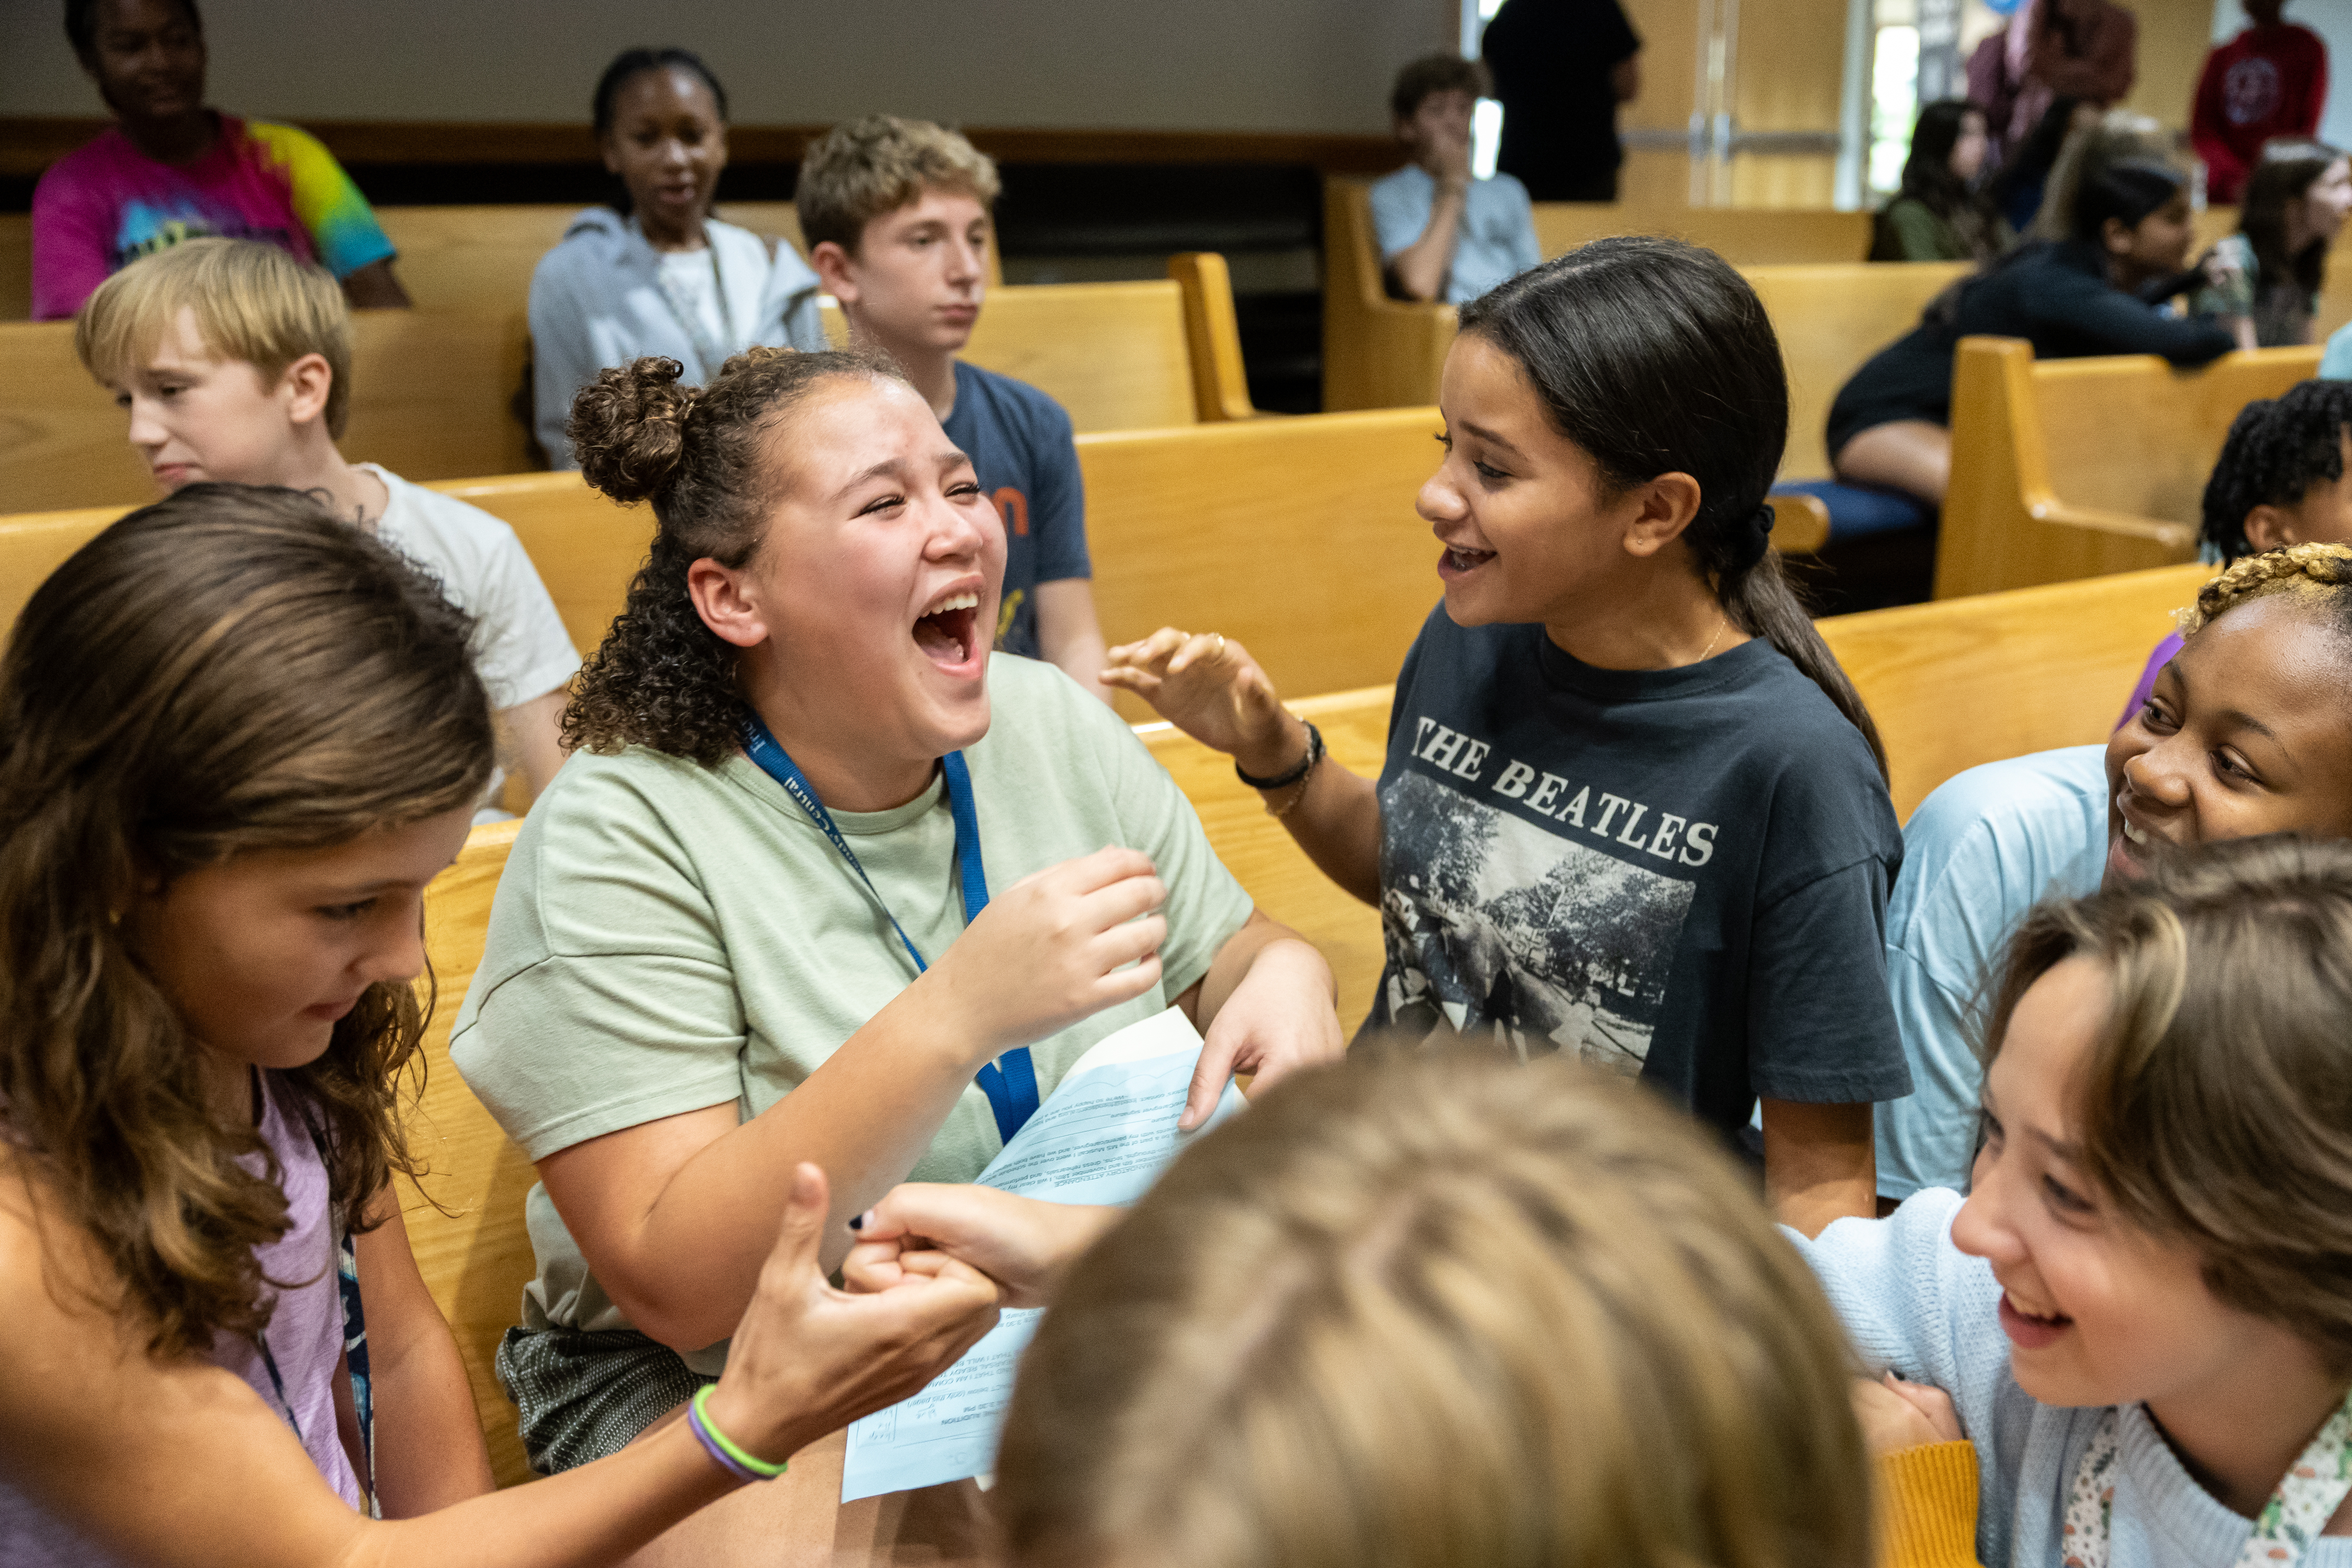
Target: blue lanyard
x=1011, y=1082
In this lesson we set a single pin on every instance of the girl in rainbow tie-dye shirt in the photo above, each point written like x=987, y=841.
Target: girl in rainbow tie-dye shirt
x=170, y=170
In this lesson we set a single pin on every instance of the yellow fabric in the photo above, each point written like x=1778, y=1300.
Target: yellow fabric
x=1928, y=1507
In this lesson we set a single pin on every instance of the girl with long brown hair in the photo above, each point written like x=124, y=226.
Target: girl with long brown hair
x=237, y=738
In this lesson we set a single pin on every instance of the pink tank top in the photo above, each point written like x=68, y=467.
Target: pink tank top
x=305, y=1339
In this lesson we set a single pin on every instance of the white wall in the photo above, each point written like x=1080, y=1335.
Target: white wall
x=1194, y=65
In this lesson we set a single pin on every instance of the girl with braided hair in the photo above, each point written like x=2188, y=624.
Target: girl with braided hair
x=1632, y=810
x=2279, y=480
x=2243, y=733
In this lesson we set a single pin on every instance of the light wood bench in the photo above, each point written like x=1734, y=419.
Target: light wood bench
x=1830, y=317
x=2074, y=468
x=430, y=399
x=1745, y=237
x=465, y=1225
x=1297, y=537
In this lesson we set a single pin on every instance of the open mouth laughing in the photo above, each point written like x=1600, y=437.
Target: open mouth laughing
x=949, y=632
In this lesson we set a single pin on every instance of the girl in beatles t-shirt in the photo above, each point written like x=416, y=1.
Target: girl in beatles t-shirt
x=1632, y=808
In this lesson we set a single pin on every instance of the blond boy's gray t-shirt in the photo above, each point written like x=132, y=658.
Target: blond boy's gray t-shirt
x=670, y=937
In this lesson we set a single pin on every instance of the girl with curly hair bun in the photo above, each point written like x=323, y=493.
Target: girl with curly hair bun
x=2243, y=733
x=237, y=737
x=824, y=880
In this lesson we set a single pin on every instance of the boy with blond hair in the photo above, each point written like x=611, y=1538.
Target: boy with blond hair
x=896, y=215
x=233, y=360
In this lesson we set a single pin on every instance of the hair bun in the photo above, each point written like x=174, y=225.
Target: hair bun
x=628, y=427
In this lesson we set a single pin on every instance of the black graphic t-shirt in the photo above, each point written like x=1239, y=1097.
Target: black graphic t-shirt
x=1680, y=873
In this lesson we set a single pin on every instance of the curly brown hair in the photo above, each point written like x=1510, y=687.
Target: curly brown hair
x=662, y=678
x=227, y=670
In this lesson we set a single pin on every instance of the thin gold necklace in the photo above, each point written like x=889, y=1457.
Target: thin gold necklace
x=1721, y=627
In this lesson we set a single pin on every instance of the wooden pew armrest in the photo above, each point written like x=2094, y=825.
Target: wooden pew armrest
x=2156, y=530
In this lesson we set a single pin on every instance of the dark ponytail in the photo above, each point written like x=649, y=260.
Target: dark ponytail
x=1655, y=357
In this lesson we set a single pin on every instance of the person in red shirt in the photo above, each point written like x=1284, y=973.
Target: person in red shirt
x=2270, y=81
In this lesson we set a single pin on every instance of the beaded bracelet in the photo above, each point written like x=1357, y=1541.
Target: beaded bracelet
x=742, y=1466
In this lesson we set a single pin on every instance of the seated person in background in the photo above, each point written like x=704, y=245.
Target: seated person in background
x=1940, y=214
x=1550, y=1278
x=2335, y=363
x=2131, y=225
x=2244, y=734
x=241, y=739
x=234, y=360
x=1443, y=234
x=171, y=169
x=2270, y=81
x=2273, y=266
x=2051, y=50
x=896, y=215
x=656, y=274
x=2279, y=480
x=706, y=961
x=2159, y=1227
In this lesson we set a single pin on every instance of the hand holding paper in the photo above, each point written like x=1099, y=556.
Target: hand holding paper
x=1022, y=1243
x=1106, y=1133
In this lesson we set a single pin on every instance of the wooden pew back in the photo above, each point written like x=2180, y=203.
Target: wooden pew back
x=1295, y=537
x=464, y=1216
x=1378, y=353
x=1829, y=319
x=587, y=549
x=430, y=399
x=481, y=258
x=1962, y=681
x=2076, y=468
x=1745, y=237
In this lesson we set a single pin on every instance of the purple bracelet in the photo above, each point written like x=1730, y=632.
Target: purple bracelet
x=718, y=1449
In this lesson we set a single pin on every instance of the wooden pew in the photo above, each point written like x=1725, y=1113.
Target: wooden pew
x=465, y=1217
x=1957, y=682
x=430, y=394
x=1829, y=319
x=1181, y=523
x=2076, y=468
x=1745, y=237
x=1378, y=353
x=1260, y=852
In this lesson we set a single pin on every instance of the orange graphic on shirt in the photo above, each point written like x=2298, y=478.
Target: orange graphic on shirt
x=1014, y=508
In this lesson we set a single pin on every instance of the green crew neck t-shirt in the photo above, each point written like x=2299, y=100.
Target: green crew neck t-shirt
x=668, y=937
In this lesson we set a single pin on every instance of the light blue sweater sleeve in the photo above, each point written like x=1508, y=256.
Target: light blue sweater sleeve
x=2336, y=365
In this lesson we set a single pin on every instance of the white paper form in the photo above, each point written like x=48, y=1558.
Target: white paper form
x=1104, y=1137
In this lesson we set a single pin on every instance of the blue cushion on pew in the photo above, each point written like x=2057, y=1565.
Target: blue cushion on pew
x=1858, y=509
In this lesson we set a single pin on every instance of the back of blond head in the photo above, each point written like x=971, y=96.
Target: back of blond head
x=866, y=168
x=252, y=302
x=1420, y=1310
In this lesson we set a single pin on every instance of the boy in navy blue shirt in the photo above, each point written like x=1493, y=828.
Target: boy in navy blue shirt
x=895, y=213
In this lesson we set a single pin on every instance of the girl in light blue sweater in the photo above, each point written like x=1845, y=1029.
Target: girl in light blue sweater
x=2143, y=1310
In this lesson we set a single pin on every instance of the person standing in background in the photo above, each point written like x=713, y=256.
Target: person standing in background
x=169, y=169
x=2086, y=49
x=1560, y=69
x=2270, y=81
